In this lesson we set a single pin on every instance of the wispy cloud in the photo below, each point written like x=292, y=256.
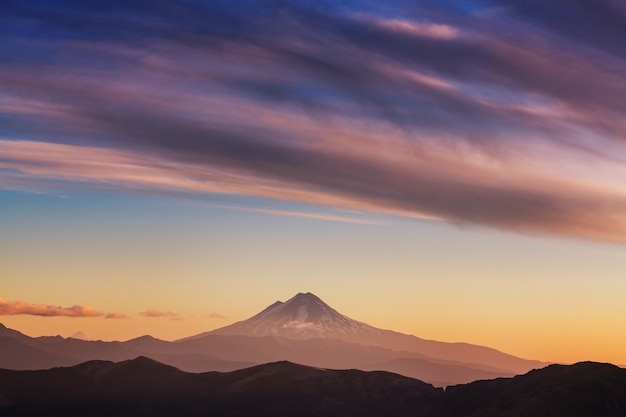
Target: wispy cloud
x=160, y=314
x=431, y=111
x=215, y=315
x=302, y=214
x=417, y=28
x=116, y=316
x=9, y=308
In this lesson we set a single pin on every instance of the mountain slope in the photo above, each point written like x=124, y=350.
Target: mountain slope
x=15, y=354
x=306, y=316
x=228, y=353
x=21, y=352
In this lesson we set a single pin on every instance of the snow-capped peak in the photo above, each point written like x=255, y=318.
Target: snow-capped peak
x=303, y=316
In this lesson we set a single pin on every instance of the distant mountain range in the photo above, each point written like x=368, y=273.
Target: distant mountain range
x=303, y=329
x=143, y=387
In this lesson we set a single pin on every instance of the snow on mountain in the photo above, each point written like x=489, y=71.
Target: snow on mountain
x=303, y=316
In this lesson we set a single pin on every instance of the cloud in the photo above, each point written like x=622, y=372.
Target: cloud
x=216, y=316
x=157, y=314
x=420, y=29
x=116, y=316
x=502, y=118
x=596, y=23
x=304, y=215
x=9, y=308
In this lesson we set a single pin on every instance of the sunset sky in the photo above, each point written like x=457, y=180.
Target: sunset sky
x=452, y=169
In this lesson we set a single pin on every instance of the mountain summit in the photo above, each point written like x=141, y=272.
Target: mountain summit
x=304, y=316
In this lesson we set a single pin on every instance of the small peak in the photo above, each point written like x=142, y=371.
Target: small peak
x=79, y=335
x=146, y=361
x=144, y=338
x=94, y=363
x=306, y=296
x=271, y=307
x=143, y=359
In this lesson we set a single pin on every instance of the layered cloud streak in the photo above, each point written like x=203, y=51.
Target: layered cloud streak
x=432, y=112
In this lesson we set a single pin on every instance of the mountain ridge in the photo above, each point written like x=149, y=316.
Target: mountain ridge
x=142, y=386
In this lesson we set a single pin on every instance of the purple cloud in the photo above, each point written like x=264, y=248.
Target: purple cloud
x=466, y=117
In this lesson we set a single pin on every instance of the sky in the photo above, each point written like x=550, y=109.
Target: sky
x=452, y=169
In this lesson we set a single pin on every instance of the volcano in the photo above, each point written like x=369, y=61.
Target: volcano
x=305, y=316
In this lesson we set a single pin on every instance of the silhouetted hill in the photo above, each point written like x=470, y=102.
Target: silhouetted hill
x=143, y=387
x=586, y=389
